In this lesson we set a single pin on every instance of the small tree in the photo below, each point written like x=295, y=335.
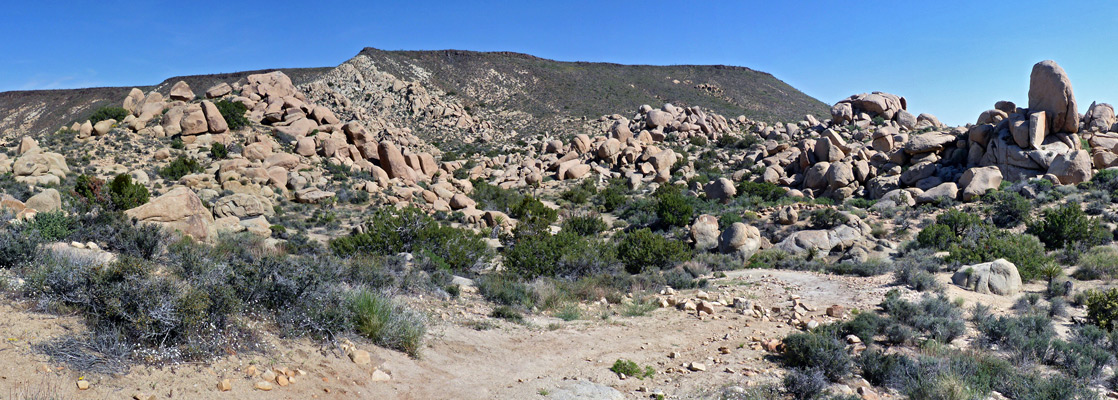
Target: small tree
x=125, y=194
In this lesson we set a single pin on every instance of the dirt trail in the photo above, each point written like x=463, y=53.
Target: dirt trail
x=509, y=361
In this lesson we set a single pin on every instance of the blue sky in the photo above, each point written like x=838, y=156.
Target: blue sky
x=953, y=59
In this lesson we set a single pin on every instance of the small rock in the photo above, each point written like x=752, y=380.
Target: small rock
x=225, y=385
x=251, y=371
x=268, y=376
x=694, y=366
x=83, y=384
x=263, y=385
x=835, y=311
x=282, y=380
x=360, y=357
x=380, y=376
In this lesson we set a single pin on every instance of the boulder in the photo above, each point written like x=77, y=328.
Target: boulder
x=1099, y=117
x=241, y=205
x=928, y=142
x=786, y=216
x=1050, y=91
x=947, y=190
x=460, y=201
x=214, y=120
x=657, y=119
x=704, y=232
x=47, y=200
x=180, y=209
x=1038, y=129
x=721, y=189
x=26, y=144
x=996, y=277
x=218, y=90
x=103, y=127
x=194, y=120
x=392, y=161
x=181, y=91
x=976, y=181
x=740, y=239
x=1073, y=167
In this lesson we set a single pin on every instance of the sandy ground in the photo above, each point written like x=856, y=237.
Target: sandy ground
x=507, y=361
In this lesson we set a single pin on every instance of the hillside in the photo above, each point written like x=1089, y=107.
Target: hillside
x=583, y=89
x=38, y=112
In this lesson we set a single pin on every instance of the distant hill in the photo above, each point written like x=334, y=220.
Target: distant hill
x=40, y=111
x=550, y=91
x=583, y=89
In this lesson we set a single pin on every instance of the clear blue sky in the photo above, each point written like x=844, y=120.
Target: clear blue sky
x=953, y=59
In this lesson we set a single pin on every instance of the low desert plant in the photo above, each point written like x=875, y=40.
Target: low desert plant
x=388, y=323
x=631, y=369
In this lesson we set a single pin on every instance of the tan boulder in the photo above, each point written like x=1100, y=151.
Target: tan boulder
x=194, y=120
x=214, y=120
x=976, y=181
x=181, y=91
x=1050, y=91
x=180, y=209
x=26, y=144
x=45, y=201
x=1071, y=168
x=102, y=128
x=392, y=160
x=218, y=90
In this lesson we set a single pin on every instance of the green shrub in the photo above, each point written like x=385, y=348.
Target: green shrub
x=642, y=249
x=507, y=313
x=935, y=316
x=585, y=225
x=177, y=143
x=218, y=151
x=1068, y=225
x=1100, y=262
x=766, y=192
x=1009, y=209
x=18, y=248
x=1102, y=307
x=410, y=230
x=613, y=196
x=535, y=253
x=51, y=226
x=817, y=350
x=672, y=207
x=492, y=197
x=108, y=112
x=507, y=291
x=387, y=323
x=916, y=268
x=179, y=168
x=89, y=188
x=827, y=218
x=533, y=212
x=580, y=194
x=631, y=369
x=984, y=243
x=234, y=113
x=936, y=236
x=126, y=195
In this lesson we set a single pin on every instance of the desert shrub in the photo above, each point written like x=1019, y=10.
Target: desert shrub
x=90, y=189
x=879, y=368
x=805, y=383
x=766, y=192
x=50, y=226
x=935, y=316
x=388, y=323
x=580, y=193
x=18, y=247
x=827, y=218
x=125, y=195
x=1099, y=263
x=177, y=143
x=536, y=252
x=1102, y=307
x=1009, y=209
x=218, y=151
x=411, y=230
x=916, y=268
x=179, y=168
x=506, y=290
x=533, y=212
x=613, y=196
x=936, y=236
x=492, y=197
x=233, y=113
x=585, y=225
x=866, y=268
x=1068, y=225
x=859, y=202
x=118, y=233
x=817, y=349
x=1079, y=360
x=983, y=243
x=631, y=369
x=864, y=325
x=1026, y=337
x=507, y=313
x=643, y=249
x=672, y=207
x=108, y=112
